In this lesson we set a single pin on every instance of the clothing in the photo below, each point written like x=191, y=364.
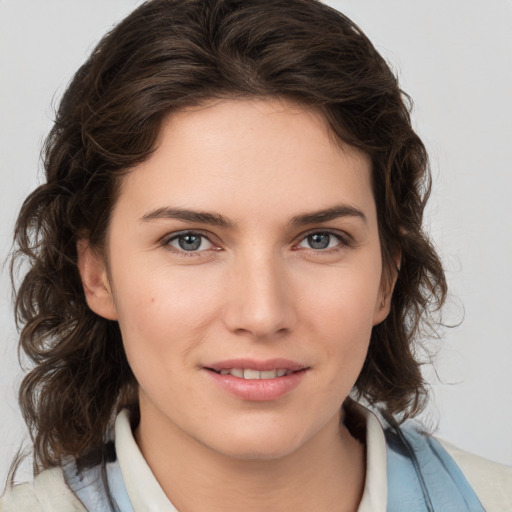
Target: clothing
x=405, y=469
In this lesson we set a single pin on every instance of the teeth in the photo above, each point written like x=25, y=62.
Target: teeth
x=249, y=374
x=252, y=374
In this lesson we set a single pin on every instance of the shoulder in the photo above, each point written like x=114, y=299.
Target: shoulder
x=47, y=493
x=491, y=481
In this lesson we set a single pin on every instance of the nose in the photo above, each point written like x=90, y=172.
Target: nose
x=260, y=300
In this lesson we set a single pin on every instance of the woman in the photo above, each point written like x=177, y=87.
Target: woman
x=227, y=253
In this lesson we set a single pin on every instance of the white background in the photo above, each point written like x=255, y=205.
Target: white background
x=453, y=57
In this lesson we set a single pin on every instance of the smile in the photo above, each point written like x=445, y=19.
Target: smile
x=256, y=380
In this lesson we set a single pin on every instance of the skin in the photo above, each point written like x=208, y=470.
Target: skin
x=254, y=288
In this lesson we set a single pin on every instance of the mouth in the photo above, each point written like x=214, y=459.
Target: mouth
x=255, y=380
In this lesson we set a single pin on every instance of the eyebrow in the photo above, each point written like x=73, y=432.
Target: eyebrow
x=216, y=219
x=328, y=214
x=213, y=219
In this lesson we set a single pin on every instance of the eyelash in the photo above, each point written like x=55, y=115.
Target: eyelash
x=344, y=240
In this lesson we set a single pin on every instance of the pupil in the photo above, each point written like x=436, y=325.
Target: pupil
x=319, y=241
x=190, y=242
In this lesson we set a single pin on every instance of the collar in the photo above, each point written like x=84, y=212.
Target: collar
x=143, y=489
x=375, y=494
x=146, y=495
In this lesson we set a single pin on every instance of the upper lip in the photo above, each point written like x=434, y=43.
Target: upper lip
x=260, y=365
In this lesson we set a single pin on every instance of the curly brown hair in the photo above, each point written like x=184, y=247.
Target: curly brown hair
x=171, y=54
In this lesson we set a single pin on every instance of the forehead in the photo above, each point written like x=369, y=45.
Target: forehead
x=250, y=156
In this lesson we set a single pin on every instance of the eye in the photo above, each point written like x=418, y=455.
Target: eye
x=321, y=241
x=189, y=241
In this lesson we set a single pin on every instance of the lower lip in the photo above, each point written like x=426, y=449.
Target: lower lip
x=258, y=390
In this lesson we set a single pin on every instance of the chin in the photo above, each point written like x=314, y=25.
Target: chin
x=262, y=445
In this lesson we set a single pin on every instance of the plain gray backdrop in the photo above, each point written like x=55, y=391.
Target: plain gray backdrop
x=453, y=57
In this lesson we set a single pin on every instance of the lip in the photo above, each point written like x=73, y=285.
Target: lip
x=258, y=390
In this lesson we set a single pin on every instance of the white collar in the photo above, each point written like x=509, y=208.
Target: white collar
x=375, y=494
x=144, y=491
x=146, y=495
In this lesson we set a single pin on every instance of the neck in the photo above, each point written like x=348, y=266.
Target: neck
x=326, y=473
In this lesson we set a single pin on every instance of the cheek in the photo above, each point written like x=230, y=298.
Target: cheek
x=164, y=294
x=343, y=301
x=340, y=313
x=164, y=315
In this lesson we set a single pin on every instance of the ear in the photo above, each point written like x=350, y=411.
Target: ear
x=387, y=285
x=93, y=272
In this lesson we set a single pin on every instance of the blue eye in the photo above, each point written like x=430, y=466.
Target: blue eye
x=190, y=242
x=320, y=241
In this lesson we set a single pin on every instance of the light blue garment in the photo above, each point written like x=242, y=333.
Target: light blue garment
x=423, y=477
x=90, y=490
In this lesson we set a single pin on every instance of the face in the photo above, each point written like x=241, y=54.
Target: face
x=245, y=273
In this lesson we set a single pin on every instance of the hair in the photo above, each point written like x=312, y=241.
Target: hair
x=165, y=56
